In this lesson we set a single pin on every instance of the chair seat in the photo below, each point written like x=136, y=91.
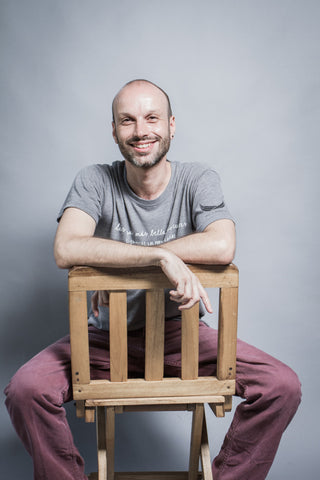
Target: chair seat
x=167, y=401
x=218, y=404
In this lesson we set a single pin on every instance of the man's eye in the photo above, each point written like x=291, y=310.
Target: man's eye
x=152, y=118
x=125, y=121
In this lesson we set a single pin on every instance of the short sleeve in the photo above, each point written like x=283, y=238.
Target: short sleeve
x=208, y=201
x=86, y=193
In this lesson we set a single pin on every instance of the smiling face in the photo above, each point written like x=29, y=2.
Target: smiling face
x=142, y=127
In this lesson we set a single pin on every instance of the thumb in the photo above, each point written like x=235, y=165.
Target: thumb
x=94, y=304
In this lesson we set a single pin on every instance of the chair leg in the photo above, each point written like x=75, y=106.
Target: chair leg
x=110, y=435
x=105, y=442
x=195, y=447
x=205, y=452
x=101, y=443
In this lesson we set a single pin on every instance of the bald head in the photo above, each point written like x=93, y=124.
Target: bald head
x=143, y=125
x=144, y=84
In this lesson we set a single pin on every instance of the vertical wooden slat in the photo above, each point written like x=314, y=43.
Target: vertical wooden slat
x=218, y=409
x=196, y=434
x=227, y=340
x=228, y=403
x=205, y=452
x=154, y=359
x=101, y=443
x=79, y=340
x=80, y=408
x=118, y=336
x=110, y=435
x=89, y=414
x=190, y=343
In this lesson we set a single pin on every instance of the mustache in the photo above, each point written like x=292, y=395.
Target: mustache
x=144, y=138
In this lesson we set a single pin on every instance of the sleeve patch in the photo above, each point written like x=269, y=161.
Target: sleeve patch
x=208, y=208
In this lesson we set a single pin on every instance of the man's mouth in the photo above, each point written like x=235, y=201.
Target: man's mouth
x=143, y=146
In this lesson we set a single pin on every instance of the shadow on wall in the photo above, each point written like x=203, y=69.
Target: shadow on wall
x=35, y=317
x=34, y=308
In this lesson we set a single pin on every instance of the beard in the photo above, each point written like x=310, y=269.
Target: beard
x=143, y=159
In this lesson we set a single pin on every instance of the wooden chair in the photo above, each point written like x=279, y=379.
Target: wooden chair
x=153, y=392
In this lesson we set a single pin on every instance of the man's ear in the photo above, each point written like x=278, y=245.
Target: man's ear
x=172, y=123
x=114, y=133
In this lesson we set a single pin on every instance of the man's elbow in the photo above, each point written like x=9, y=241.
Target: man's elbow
x=60, y=256
x=226, y=252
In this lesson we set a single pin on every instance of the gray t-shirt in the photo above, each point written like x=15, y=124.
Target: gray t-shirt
x=191, y=201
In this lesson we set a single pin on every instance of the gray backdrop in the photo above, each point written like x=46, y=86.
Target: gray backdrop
x=244, y=81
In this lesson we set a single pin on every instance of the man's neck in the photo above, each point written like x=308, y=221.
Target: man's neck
x=149, y=183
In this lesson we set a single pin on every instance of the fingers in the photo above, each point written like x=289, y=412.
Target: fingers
x=99, y=298
x=206, y=301
x=103, y=298
x=186, y=293
x=188, y=289
x=190, y=293
x=94, y=304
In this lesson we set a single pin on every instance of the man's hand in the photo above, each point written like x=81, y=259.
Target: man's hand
x=188, y=289
x=99, y=298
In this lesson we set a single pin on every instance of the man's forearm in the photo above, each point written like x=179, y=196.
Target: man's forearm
x=213, y=246
x=75, y=245
x=98, y=252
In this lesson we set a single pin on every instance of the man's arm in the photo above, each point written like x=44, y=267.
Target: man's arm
x=215, y=245
x=75, y=245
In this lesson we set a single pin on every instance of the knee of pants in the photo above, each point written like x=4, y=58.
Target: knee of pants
x=23, y=389
x=285, y=388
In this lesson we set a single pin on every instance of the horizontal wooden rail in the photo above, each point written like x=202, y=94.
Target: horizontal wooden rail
x=169, y=387
x=157, y=401
x=149, y=476
x=147, y=278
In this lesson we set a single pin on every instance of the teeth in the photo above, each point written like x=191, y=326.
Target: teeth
x=145, y=145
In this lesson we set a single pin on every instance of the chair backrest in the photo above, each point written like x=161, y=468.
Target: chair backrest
x=153, y=385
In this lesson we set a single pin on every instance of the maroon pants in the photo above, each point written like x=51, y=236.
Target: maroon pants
x=270, y=389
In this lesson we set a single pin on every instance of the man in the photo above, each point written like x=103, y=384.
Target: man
x=149, y=211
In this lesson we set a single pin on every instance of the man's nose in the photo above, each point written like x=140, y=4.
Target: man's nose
x=141, y=129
